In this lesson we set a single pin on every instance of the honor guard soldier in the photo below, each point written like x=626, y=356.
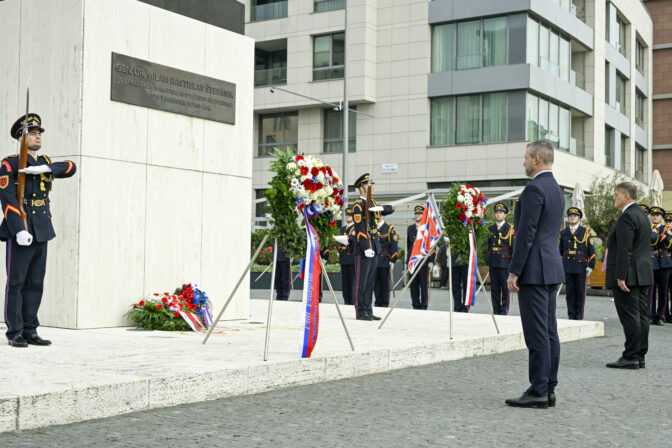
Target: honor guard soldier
x=661, y=269
x=346, y=259
x=27, y=243
x=367, y=247
x=500, y=246
x=420, y=284
x=460, y=270
x=668, y=312
x=283, y=275
x=389, y=253
x=654, y=260
x=578, y=260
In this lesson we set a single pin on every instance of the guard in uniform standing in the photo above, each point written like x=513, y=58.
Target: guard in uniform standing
x=346, y=259
x=668, y=311
x=366, y=248
x=460, y=270
x=27, y=245
x=420, y=284
x=389, y=253
x=654, y=260
x=578, y=259
x=661, y=271
x=283, y=276
x=500, y=246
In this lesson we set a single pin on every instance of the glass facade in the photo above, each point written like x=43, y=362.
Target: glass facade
x=640, y=158
x=620, y=94
x=639, y=57
x=639, y=109
x=328, y=56
x=494, y=117
x=609, y=150
x=470, y=45
x=442, y=127
x=469, y=119
x=494, y=41
x=333, y=131
x=548, y=50
x=620, y=46
x=278, y=131
x=547, y=121
x=267, y=10
x=532, y=117
x=328, y=5
x=270, y=67
x=443, y=48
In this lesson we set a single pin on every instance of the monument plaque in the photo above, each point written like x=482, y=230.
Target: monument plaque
x=143, y=83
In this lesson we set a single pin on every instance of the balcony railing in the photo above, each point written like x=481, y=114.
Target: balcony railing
x=328, y=5
x=577, y=79
x=324, y=73
x=268, y=11
x=269, y=77
x=577, y=147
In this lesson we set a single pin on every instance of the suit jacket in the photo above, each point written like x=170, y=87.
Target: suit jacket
x=537, y=220
x=629, y=250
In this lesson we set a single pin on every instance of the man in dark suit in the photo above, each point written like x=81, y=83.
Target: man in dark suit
x=535, y=273
x=629, y=274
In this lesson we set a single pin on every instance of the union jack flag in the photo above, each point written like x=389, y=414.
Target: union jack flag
x=429, y=231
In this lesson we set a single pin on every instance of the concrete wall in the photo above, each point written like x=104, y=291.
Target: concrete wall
x=152, y=203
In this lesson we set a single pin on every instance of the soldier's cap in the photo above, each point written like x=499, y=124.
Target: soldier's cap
x=34, y=122
x=575, y=211
x=668, y=216
x=419, y=209
x=348, y=211
x=361, y=181
x=499, y=207
x=655, y=210
x=645, y=208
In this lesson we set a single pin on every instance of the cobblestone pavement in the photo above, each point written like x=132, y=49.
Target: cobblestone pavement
x=457, y=403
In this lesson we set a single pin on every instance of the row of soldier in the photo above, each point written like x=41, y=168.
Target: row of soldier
x=372, y=250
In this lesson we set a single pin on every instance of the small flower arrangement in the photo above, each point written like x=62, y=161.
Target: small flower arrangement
x=188, y=308
x=471, y=203
x=463, y=209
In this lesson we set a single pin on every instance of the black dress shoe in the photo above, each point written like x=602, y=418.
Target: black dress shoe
x=374, y=317
x=528, y=401
x=364, y=318
x=17, y=341
x=658, y=322
x=642, y=363
x=551, y=400
x=36, y=340
x=623, y=363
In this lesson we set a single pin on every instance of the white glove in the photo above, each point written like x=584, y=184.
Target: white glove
x=446, y=239
x=391, y=265
x=342, y=239
x=588, y=271
x=38, y=169
x=369, y=253
x=24, y=238
x=377, y=208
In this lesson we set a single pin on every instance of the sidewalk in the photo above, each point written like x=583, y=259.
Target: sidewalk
x=90, y=374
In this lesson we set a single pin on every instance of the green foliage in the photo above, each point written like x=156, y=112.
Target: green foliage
x=458, y=232
x=147, y=315
x=600, y=213
x=259, y=268
x=256, y=239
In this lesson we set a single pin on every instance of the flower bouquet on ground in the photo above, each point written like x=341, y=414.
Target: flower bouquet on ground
x=188, y=308
x=305, y=188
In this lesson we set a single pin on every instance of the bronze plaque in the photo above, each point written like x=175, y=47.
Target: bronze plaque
x=156, y=86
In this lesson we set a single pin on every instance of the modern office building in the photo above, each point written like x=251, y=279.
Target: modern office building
x=450, y=90
x=661, y=12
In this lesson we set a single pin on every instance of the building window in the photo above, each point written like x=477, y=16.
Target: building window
x=259, y=207
x=468, y=119
x=640, y=101
x=640, y=158
x=532, y=41
x=270, y=67
x=333, y=131
x=565, y=58
x=565, y=121
x=543, y=119
x=639, y=57
x=544, y=57
x=278, y=131
x=328, y=5
x=443, y=48
x=267, y=10
x=328, y=56
x=620, y=94
x=620, y=46
x=468, y=45
x=553, y=135
x=624, y=153
x=442, y=130
x=494, y=41
x=609, y=150
x=532, y=117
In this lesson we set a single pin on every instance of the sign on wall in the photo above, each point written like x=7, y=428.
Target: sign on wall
x=143, y=83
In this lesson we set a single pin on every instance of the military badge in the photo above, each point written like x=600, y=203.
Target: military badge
x=4, y=181
x=358, y=218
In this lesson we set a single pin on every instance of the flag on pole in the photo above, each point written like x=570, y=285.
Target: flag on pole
x=429, y=230
x=470, y=296
x=310, y=272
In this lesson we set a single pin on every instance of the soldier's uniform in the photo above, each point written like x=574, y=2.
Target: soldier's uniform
x=26, y=265
x=283, y=276
x=365, y=267
x=500, y=249
x=347, y=260
x=668, y=310
x=661, y=271
x=654, y=259
x=389, y=253
x=578, y=254
x=459, y=284
x=420, y=284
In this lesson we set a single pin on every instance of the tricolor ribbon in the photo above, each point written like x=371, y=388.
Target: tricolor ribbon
x=310, y=272
x=470, y=296
x=190, y=318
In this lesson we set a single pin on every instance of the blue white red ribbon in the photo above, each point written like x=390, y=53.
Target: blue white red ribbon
x=470, y=296
x=311, y=292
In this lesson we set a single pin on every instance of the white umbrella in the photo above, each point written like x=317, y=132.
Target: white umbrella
x=578, y=198
x=656, y=189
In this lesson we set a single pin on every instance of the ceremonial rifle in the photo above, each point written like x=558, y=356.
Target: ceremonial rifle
x=23, y=161
x=367, y=213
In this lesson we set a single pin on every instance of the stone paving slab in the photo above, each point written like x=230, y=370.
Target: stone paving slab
x=91, y=374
